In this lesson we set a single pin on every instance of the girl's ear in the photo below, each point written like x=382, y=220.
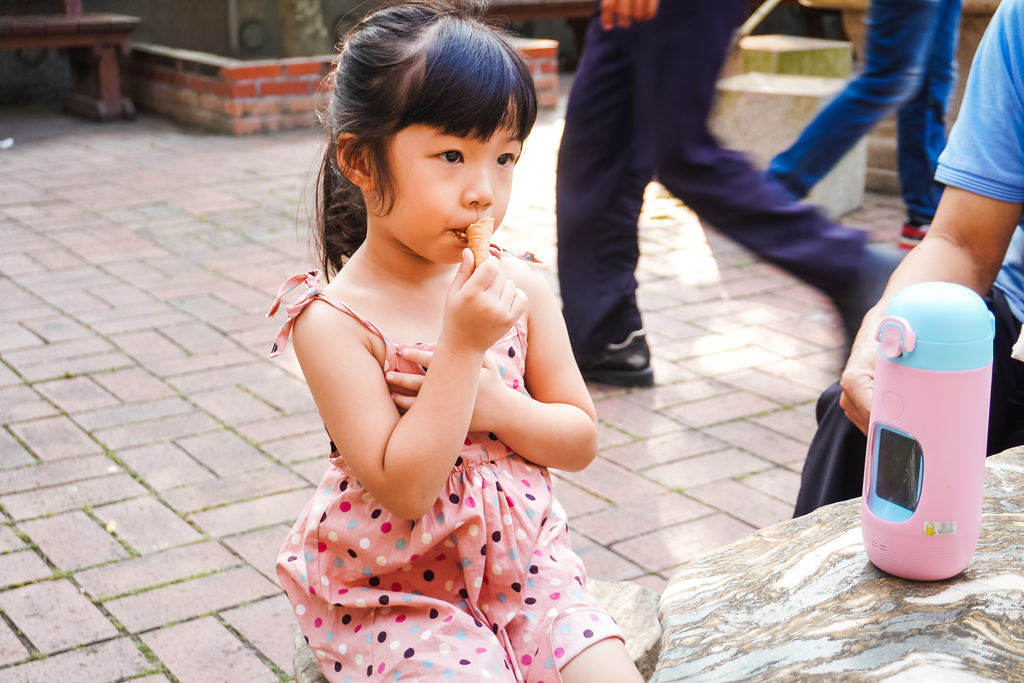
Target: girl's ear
x=352, y=163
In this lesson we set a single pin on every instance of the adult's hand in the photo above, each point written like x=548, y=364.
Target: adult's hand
x=858, y=383
x=624, y=13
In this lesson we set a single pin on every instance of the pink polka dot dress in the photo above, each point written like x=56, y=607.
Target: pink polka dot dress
x=485, y=586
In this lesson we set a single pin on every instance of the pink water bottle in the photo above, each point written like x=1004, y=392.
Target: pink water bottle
x=925, y=463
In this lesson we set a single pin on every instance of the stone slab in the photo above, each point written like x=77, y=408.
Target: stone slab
x=797, y=55
x=801, y=601
x=761, y=114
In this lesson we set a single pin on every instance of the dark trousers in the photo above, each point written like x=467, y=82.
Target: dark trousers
x=637, y=111
x=834, y=469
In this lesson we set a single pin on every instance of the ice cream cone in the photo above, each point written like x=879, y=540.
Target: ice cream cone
x=479, y=237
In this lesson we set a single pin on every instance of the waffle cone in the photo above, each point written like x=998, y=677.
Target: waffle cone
x=479, y=237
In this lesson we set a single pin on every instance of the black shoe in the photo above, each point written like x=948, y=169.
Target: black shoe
x=873, y=274
x=625, y=364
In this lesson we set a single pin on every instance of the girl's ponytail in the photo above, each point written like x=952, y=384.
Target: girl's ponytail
x=340, y=213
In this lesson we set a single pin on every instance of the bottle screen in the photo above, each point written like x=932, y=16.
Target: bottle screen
x=899, y=463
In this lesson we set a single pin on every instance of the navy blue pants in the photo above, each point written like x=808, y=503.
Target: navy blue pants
x=834, y=469
x=638, y=111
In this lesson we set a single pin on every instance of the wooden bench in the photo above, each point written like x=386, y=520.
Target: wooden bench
x=94, y=44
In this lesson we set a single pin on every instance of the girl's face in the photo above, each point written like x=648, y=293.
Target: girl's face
x=442, y=184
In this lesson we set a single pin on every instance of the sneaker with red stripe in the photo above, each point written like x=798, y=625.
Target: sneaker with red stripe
x=911, y=235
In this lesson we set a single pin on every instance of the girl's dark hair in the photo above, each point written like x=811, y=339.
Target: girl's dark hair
x=420, y=62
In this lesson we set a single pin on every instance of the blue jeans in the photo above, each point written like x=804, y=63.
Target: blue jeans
x=910, y=65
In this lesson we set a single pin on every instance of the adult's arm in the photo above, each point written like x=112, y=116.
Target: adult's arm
x=623, y=13
x=965, y=244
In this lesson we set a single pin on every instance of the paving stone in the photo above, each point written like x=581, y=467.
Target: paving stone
x=575, y=500
x=155, y=569
x=760, y=441
x=798, y=423
x=276, y=428
x=11, y=648
x=780, y=483
x=134, y=385
x=602, y=563
x=154, y=431
x=633, y=418
x=58, y=329
x=17, y=337
x=53, y=615
x=12, y=453
x=298, y=448
x=164, y=465
x=212, y=493
x=637, y=517
x=146, y=524
x=252, y=514
x=23, y=403
x=743, y=502
x=71, y=496
x=612, y=482
x=76, y=394
x=110, y=661
x=721, y=408
x=269, y=625
x=179, y=601
x=671, y=546
x=203, y=650
x=223, y=452
x=233, y=406
x=21, y=567
x=73, y=540
x=78, y=365
x=645, y=453
x=127, y=413
x=9, y=540
x=55, y=438
x=47, y=474
x=701, y=469
x=260, y=547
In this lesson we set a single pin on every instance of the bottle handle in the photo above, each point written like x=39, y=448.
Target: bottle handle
x=895, y=337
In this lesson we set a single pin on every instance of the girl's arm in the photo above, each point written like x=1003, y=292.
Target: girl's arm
x=404, y=460
x=556, y=425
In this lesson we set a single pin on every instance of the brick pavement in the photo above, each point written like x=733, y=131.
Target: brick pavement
x=152, y=457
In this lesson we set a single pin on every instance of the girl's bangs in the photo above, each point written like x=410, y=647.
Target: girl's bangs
x=471, y=85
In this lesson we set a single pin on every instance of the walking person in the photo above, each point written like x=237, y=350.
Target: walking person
x=909, y=67
x=638, y=111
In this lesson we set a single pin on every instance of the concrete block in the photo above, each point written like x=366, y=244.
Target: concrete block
x=762, y=114
x=797, y=56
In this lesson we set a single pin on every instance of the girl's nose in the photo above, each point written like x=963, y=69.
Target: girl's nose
x=480, y=192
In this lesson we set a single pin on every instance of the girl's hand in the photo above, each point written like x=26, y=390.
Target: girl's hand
x=406, y=385
x=481, y=305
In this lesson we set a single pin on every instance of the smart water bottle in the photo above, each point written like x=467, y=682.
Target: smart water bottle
x=925, y=462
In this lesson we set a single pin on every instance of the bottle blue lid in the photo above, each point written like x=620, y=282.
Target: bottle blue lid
x=952, y=327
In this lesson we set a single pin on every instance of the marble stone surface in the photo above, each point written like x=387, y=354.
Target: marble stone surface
x=800, y=601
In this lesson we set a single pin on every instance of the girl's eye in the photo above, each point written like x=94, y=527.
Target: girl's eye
x=452, y=156
x=507, y=159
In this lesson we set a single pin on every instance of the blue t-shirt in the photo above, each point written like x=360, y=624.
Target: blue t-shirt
x=985, y=151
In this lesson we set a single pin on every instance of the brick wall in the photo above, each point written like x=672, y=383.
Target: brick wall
x=242, y=97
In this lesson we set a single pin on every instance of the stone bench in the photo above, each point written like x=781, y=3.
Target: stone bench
x=800, y=601
x=634, y=607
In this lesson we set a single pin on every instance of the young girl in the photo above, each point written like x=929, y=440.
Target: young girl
x=433, y=549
